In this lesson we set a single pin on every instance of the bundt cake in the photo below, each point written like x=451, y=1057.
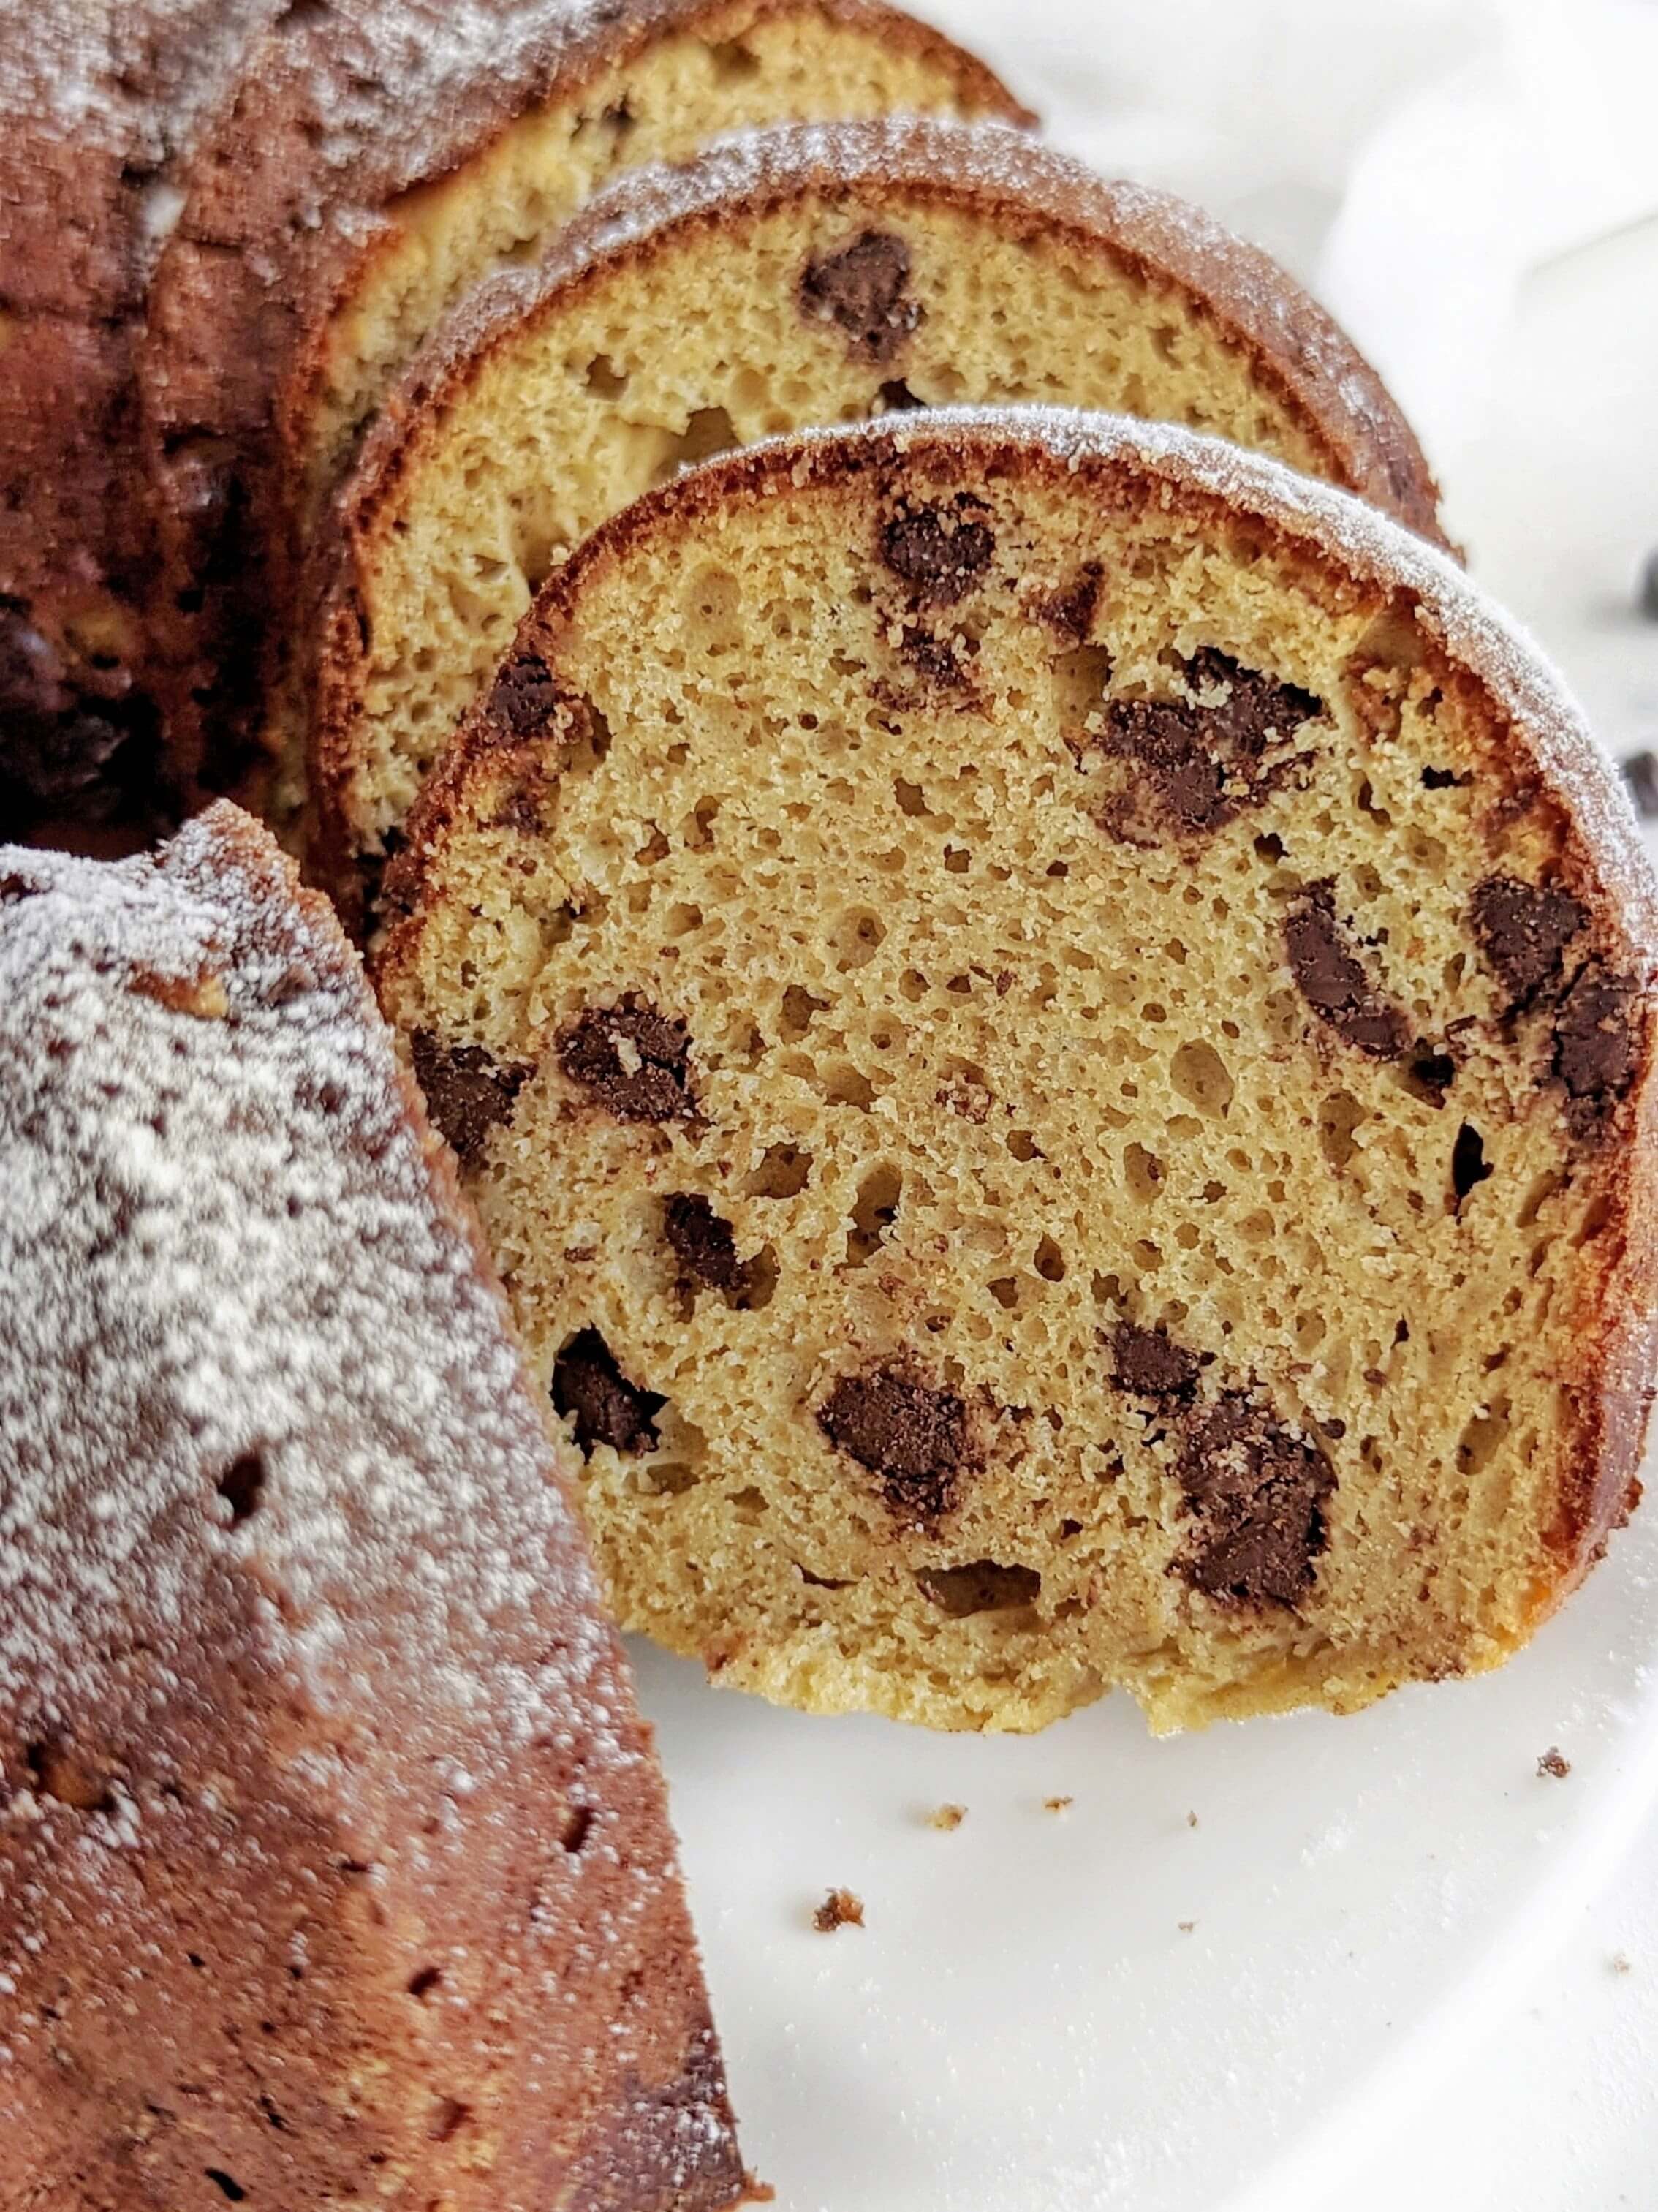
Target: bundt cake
x=98, y=102
x=334, y=1867
x=1052, y=1028
x=802, y=276
x=377, y=157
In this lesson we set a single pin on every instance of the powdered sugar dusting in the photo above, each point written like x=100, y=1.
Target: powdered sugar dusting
x=221, y=1246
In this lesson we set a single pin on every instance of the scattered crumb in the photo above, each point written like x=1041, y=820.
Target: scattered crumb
x=1618, y=1963
x=1191, y=1820
x=1059, y=1804
x=1186, y=1926
x=947, y=1816
x=1552, y=1766
x=839, y=1909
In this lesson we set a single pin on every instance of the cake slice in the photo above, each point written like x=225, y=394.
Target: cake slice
x=802, y=276
x=334, y=1866
x=376, y=158
x=1052, y=1026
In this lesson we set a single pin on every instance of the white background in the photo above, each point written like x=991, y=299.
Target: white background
x=1474, y=187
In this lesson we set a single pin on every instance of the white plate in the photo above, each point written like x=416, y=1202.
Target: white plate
x=1023, y=2023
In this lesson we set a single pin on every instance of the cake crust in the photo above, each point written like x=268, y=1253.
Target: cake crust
x=1274, y=1502
x=333, y=1856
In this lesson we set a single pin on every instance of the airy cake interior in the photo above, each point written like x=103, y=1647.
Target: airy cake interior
x=1048, y=1117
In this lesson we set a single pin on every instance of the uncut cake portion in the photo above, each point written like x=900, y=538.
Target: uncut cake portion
x=1052, y=1026
x=804, y=275
x=334, y=1866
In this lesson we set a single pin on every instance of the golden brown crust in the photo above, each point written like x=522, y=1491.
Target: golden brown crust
x=298, y=194
x=1548, y=762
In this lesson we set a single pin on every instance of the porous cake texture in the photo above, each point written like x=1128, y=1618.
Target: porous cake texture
x=798, y=275
x=1052, y=1027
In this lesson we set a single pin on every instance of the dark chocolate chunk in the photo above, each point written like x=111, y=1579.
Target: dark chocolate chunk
x=468, y=1090
x=702, y=1242
x=1431, y=1073
x=933, y=658
x=1199, y=761
x=1072, y=610
x=862, y=290
x=981, y=1586
x=607, y=1408
x=1332, y=980
x=943, y=552
x=1524, y=930
x=632, y=1061
x=1258, y=1491
x=1149, y=1362
x=1641, y=775
x=1594, y=1043
x=913, y=1436
x=524, y=695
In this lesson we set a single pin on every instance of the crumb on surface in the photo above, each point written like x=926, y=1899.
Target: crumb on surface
x=1186, y=1926
x=1191, y=1820
x=1552, y=1766
x=839, y=1909
x=1059, y=1804
x=1619, y=1962
x=946, y=1816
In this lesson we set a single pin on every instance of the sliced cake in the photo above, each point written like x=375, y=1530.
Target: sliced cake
x=334, y=1866
x=802, y=275
x=375, y=159
x=1052, y=1025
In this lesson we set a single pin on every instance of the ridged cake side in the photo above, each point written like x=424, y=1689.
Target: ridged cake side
x=333, y=1859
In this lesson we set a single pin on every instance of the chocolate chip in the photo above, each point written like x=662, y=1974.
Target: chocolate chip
x=913, y=1436
x=933, y=658
x=1332, y=980
x=981, y=1586
x=1524, y=930
x=632, y=1061
x=702, y=1242
x=1440, y=779
x=523, y=696
x=1148, y=1361
x=1258, y=1490
x=861, y=289
x=1594, y=1044
x=941, y=551
x=1641, y=775
x=897, y=398
x=1469, y=1166
x=1071, y=612
x=1197, y=762
x=607, y=1408
x=468, y=1090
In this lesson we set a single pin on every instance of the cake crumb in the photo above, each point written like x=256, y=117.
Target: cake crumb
x=1059, y=1804
x=1552, y=1766
x=1185, y=1926
x=839, y=1909
x=1619, y=1962
x=1191, y=1820
x=946, y=1816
